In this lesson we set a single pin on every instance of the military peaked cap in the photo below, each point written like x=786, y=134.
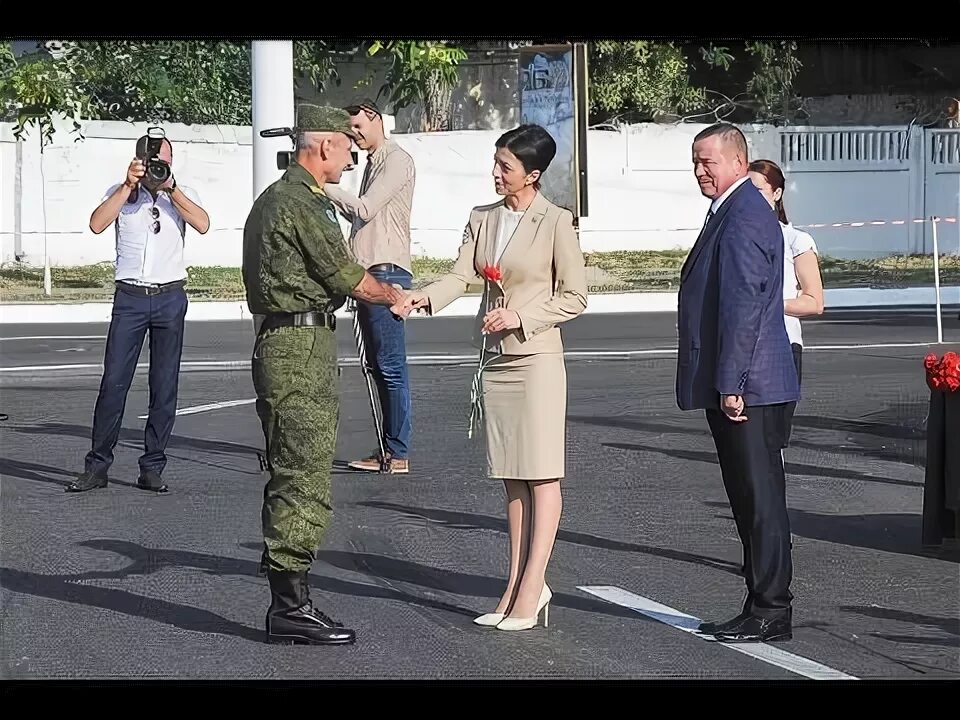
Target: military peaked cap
x=323, y=118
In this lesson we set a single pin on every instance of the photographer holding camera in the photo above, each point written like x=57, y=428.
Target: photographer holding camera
x=150, y=213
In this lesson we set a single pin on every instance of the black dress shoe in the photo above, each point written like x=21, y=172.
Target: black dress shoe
x=87, y=481
x=758, y=629
x=710, y=628
x=150, y=480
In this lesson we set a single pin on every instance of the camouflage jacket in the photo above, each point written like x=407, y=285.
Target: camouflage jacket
x=295, y=258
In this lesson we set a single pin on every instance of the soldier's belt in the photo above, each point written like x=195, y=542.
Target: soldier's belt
x=313, y=318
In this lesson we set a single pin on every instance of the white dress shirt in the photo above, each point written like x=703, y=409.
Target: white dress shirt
x=717, y=202
x=145, y=257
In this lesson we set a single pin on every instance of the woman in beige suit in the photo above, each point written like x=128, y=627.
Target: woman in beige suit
x=525, y=252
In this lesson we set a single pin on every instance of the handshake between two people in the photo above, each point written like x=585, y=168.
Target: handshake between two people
x=403, y=302
x=411, y=300
x=497, y=320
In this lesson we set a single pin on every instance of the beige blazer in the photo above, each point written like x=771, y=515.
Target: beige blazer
x=543, y=276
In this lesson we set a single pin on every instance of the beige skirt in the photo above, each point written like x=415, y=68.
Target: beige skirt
x=525, y=411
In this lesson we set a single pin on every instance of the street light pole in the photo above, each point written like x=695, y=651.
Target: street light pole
x=272, y=93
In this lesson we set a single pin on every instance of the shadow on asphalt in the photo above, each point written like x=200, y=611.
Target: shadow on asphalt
x=76, y=588
x=461, y=520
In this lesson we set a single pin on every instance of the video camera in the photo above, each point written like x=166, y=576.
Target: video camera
x=148, y=150
x=285, y=157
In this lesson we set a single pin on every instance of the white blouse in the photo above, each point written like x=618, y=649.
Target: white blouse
x=796, y=243
x=509, y=220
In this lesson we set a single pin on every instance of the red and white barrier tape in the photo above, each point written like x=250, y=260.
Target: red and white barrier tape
x=872, y=223
x=863, y=223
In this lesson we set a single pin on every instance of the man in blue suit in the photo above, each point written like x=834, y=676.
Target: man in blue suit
x=735, y=362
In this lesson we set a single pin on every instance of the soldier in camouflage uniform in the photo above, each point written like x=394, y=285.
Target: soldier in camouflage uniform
x=297, y=271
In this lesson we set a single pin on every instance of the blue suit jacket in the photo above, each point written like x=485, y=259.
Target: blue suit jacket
x=732, y=338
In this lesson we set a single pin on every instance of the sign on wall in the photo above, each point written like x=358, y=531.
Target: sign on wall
x=553, y=94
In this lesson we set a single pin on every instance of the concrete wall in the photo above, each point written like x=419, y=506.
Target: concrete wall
x=642, y=194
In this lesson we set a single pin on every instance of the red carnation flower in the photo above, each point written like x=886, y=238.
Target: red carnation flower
x=492, y=273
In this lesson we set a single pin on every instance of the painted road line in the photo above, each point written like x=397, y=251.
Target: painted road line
x=207, y=408
x=449, y=359
x=872, y=346
x=212, y=364
x=55, y=337
x=689, y=624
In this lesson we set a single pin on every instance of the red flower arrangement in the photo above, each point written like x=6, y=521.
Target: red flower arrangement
x=943, y=373
x=492, y=273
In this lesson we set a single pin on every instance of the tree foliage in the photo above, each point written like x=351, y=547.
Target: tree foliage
x=136, y=81
x=209, y=82
x=198, y=82
x=649, y=80
x=641, y=76
x=421, y=72
x=771, y=86
x=35, y=89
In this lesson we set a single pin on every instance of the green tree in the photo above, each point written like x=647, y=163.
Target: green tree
x=37, y=88
x=771, y=86
x=641, y=77
x=651, y=81
x=199, y=82
x=422, y=73
x=163, y=81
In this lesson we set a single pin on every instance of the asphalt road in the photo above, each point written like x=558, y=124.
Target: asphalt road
x=118, y=583
x=206, y=342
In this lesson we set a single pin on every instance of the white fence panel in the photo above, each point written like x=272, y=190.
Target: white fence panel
x=853, y=175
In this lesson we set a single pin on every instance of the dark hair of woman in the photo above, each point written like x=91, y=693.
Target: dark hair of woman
x=774, y=176
x=532, y=145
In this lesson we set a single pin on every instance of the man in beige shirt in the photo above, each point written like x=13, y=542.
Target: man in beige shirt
x=380, y=240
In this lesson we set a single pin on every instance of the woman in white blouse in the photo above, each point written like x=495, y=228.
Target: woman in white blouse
x=802, y=284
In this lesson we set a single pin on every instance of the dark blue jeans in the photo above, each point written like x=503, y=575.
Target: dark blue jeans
x=133, y=314
x=386, y=344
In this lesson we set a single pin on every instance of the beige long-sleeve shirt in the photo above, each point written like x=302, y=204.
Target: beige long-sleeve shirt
x=381, y=215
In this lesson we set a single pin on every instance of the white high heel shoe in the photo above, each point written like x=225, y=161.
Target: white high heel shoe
x=543, y=604
x=489, y=620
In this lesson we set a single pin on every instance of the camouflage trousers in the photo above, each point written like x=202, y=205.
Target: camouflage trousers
x=296, y=379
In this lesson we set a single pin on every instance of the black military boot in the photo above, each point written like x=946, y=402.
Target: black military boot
x=292, y=618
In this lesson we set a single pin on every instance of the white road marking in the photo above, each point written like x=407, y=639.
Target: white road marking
x=56, y=337
x=213, y=364
x=207, y=408
x=446, y=359
x=687, y=623
x=870, y=347
x=34, y=368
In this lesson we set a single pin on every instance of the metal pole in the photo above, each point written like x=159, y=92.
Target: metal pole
x=272, y=94
x=47, y=272
x=271, y=65
x=18, y=204
x=936, y=278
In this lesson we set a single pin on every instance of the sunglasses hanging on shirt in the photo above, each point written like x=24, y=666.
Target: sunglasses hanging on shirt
x=155, y=212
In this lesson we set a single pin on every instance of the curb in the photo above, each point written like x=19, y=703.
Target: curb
x=639, y=302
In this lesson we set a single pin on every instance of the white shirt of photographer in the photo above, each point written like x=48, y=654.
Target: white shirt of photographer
x=145, y=257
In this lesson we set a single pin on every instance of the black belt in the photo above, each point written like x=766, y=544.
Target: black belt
x=150, y=289
x=311, y=318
